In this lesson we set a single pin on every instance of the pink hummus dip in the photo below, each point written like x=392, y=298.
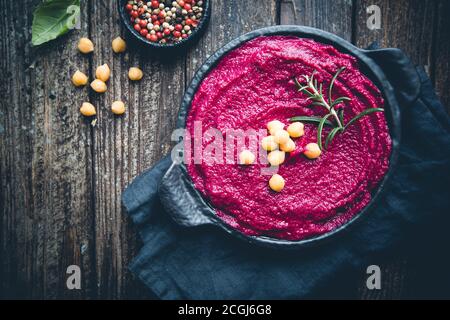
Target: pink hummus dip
x=250, y=87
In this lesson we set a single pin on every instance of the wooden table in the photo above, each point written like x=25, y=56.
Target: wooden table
x=61, y=179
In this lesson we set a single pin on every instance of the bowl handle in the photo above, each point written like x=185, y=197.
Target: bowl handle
x=181, y=200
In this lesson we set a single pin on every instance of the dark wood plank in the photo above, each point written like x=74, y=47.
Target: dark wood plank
x=228, y=20
x=406, y=24
x=125, y=146
x=331, y=16
x=45, y=172
x=441, y=63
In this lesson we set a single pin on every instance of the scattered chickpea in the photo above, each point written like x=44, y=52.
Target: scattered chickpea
x=276, y=183
x=85, y=45
x=246, y=157
x=274, y=126
x=118, y=107
x=99, y=86
x=119, y=45
x=289, y=146
x=87, y=109
x=296, y=129
x=135, y=74
x=276, y=157
x=281, y=136
x=79, y=79
x=268, y=143
x=312, y=151
x=103, y=72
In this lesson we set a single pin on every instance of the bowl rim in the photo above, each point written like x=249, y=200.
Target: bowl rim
x=180, y=44
x=365, y=62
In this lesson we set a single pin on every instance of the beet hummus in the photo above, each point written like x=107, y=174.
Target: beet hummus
x=253, y=85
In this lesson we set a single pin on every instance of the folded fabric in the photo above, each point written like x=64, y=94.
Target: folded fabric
x=206, y=263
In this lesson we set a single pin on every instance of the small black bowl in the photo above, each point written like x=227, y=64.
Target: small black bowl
x=164, y=48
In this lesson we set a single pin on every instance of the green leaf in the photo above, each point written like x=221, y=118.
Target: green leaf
x=310, y=94
x=320, y=129
x=330, y=88
x=362, y=114
x=303, y=88
x=339, y=100
x=341, y=116
x=317, y=103
x=300, y=87
x=311, y=80
x=309, y=119
x=331, y=136
x=53, y=18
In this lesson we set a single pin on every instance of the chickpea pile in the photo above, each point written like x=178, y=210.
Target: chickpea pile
x=102, y=75
x=280, y=142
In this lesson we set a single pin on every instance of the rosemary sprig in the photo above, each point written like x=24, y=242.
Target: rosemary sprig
x=330, y=88
x=362, y=114
x=314, y=91
x=331, y=135
x=311, y=119
x=320, y=129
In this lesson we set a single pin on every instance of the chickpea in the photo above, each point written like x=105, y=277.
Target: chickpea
x=312, y=151
x=118, y=107
x=103, y=73
x=79, y=79
x=281, y=136
x=296, y=129
x=85, y=45
x=119, y=45
x=289, y=146
x=87, y=109
x=135, y=74
x=268, y=143
x=276, y=157
x=274, y=126
x=246, y=157
x=99, y=86
x=276, y=183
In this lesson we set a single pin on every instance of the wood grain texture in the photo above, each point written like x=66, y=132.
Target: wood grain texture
x=405, y=24
x=45, y=150
x=125, y=146
x=441, y=61
x=331, y=16
x=230, y=19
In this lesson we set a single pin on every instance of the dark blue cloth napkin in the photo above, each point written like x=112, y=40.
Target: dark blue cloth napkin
x=206, y=263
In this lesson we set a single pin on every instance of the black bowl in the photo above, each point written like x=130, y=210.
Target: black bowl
x=164, y=48
x=185, y=204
